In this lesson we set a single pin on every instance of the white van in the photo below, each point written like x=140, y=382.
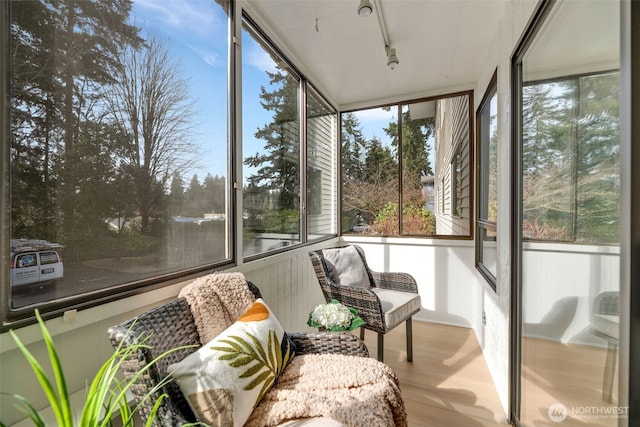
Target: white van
x=35, y=261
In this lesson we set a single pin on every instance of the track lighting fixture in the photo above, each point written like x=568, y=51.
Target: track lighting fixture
x=392, y=59
x=365, y=9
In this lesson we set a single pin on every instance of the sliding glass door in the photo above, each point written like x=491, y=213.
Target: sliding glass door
x=567, y=202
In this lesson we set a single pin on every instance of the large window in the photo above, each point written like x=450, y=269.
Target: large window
x=118, y=145
x=570, y=158
x=286, y=143
x=271, y=139
x=121, y=160
x=487, y=170
x=370, y=171
x=322, y=148
x=415, y=155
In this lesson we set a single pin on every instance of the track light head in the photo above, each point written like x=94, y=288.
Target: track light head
x=392, y=59
x=365, y=9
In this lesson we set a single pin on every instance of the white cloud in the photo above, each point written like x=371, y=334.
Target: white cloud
x=376, y=114
x=212, y=59
x=260, y=59
x=194, y=25
x=197, y=17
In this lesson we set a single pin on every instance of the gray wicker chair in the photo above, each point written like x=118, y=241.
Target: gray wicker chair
x=172, y=325
x=381, y=310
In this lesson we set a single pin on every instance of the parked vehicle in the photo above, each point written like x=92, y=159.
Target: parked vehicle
x=35, y=261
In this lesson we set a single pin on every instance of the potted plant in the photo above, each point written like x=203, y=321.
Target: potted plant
x=334, y=316
x=106, y=395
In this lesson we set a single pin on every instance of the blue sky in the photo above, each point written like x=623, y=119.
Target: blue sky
x=374, y=121
x=196, y=33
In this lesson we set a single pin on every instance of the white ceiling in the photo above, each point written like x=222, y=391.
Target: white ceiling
x=439, y=43
x=557, y=51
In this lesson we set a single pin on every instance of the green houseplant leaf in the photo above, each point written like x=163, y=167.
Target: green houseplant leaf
x=59, y=401
x=106, y=395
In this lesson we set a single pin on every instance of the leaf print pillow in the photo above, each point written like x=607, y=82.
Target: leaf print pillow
x=225, y=379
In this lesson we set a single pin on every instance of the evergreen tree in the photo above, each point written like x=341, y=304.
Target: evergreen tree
x=63, y=51
x=194, y=205
x=547, y=161
x=278, y=164
x=88, y=37
x=176, y=195
x=415, y=146
x=598, y=166
x=353, y=145
x=415, y=155
x=380, y=164
x=571, y=159
x=213, y=188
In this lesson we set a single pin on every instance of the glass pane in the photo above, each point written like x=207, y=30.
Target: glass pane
x=452, y=166
x=449, y=152
x=487, y=164
x=436, y=172
x=492, y=160
x=488, y=252
x=598, y=159
x=370, y=172
x=458, y=184
x=322, y=123
x=118, y=157
x=571, y=184
x=271, y=148
x=548, y=158
x=418, y=164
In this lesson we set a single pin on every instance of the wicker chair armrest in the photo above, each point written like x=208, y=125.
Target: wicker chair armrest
x=165, y=328
x=607, y=303
x=146, y=379
x=328, y=342
x=137, y=365
x=395, y=281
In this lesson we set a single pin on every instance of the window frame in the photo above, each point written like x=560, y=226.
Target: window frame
x=440, y=207
x=309, y=209
x=483, y=159
x=456, y=188
x=12, y=318
x=306, y=87
x=249, y=26
x=575, y=146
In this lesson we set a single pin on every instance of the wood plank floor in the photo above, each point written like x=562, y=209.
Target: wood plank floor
x=448, y=383
x=567, y=374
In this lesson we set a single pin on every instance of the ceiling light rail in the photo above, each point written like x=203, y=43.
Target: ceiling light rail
x=365, y=9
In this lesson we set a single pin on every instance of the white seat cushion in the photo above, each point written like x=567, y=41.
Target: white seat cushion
x=397, y=306
x=608, y=325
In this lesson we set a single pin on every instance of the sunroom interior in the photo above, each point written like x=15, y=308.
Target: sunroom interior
x=484, y=147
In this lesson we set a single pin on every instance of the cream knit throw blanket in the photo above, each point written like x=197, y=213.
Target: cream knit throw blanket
x=356, y=391
x=217, y=301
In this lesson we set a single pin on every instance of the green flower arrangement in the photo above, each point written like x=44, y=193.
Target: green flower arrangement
x=334, y=317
